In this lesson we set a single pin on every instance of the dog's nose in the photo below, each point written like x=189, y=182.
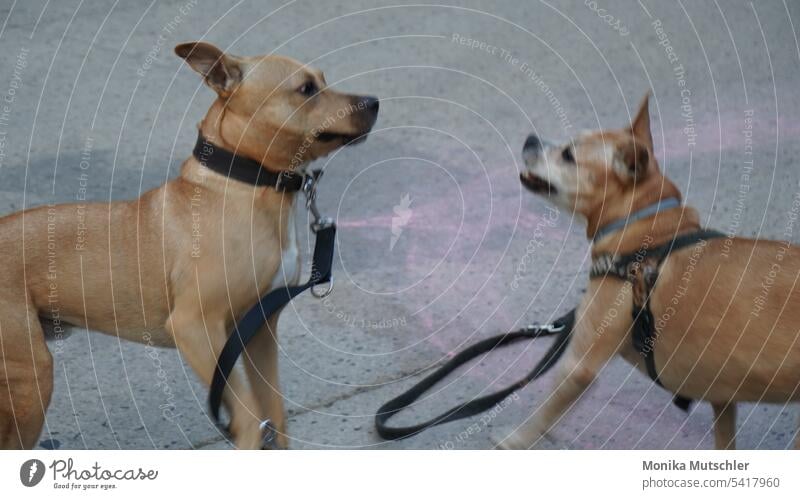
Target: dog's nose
x=370, y=104
x=532, y=143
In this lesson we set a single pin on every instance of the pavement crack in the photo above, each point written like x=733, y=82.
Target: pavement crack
x=293, y=413
x=382, y=383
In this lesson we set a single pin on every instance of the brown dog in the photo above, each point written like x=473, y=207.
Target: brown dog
x=727, y=320
x=140, y=270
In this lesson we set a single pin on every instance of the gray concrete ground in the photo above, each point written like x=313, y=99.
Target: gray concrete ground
x=92, y=86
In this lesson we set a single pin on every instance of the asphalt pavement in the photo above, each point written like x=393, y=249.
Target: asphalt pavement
x=438, y=245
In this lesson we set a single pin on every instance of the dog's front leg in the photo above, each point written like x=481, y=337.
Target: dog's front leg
x=26, y=376
x=585, y=356
x=261, y=364
x=797, y=435
x=571, y=380
x=724, y=425
x=199, y=340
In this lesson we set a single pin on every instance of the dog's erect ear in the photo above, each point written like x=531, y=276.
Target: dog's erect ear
x=221, y=72
x=640, y=126
x=632, y=160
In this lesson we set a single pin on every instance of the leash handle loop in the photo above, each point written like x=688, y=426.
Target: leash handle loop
x=561, y=327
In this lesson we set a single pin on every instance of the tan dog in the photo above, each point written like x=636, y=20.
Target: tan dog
x=727, y=314
x=139, y=270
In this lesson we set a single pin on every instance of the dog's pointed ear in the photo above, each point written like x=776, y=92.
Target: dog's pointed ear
x=221, y=72
x=632, y=158
x=640, y=126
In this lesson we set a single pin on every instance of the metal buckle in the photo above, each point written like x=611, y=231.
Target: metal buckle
x=279, y=182
x=309, y=184
x=322, y=294
x=321, y=223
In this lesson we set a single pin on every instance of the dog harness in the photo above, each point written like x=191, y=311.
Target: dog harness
x=641, y=269
x=247, y=170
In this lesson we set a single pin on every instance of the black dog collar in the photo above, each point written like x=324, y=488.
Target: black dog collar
x=244, y=169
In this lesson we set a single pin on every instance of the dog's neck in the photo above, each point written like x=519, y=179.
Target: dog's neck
x=651, y=210
x=224, y=128
x=213, y=130
x=651, y=230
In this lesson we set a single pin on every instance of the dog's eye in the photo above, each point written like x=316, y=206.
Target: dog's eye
x=308, y=88
x=567, y=156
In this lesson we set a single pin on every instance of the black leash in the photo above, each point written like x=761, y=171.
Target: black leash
x=562, y=327
x=270, y=303
x=250, y=171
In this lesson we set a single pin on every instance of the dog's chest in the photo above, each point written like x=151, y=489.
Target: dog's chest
x=289, y=269
x=258, y=253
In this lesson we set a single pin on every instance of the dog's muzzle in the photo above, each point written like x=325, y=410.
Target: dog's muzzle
x=369, y=107
x=533, y=148
x=365, y=116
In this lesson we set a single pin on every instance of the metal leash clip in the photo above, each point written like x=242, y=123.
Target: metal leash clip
x=310, y=191
x=319, y=223
x=543, y=329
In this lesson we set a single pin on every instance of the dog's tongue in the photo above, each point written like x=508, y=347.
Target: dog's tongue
x=536, y=184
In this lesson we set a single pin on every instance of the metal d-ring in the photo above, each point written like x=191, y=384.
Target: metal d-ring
x=322, y=294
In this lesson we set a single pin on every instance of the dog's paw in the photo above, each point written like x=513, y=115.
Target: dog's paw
x=514, y=440
x=506, y=441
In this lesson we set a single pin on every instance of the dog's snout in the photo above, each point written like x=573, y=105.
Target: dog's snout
x=533, y=143
x=370, y=104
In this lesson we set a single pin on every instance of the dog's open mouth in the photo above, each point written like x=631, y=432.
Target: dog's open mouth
x=346, y=139
x=536, y=184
